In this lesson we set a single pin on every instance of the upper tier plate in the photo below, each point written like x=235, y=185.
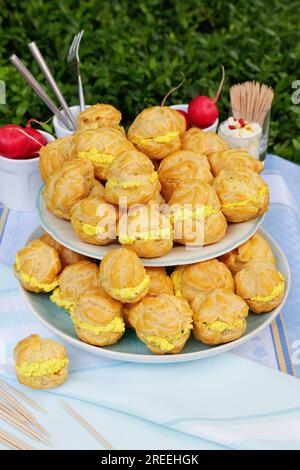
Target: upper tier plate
x=63, y=232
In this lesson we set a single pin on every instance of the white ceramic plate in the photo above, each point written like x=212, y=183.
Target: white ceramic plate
x=129, y=348
x=63, y=232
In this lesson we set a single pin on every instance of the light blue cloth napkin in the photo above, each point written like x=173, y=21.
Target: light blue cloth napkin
x=226, y=400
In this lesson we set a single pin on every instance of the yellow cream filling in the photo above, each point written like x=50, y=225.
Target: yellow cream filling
x=177, y=279
x=219, y=326
x=130, y=293
x=162, y=234
x=112, y=183
x=68, y=305
x=276, y=292
x=115, y=326
x=32, y=281
x=88, y=229
x=95, y=156
x=199, y=213
x=253, y=199
x=40, y=369
x=163, y=343
x=164, y=139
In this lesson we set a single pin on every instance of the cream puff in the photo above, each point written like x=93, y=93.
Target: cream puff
x=131, y=179
x=97, y=318
x=243, y=194
x=97, y=189
x=66, y=255
x=54, y=155
x=146, y=231
x=95, y=221
x=160, y=282
x=68, y=185
x=99, y=115
x=232, y=158
x=260, y=285
x=41, y=363
x=37, y=267
x=76, y=279
x=156, y=131
x=201, y=142
x=220, y=318
x=196, y=214
x=255, y=248
x=163, y=323
x=182, y=165
x=100, y=147
x=123, y=276
x=201, y=279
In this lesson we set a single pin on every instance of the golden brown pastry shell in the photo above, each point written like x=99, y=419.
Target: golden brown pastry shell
x=68, y=185
x=182, y=165
x=155, y=122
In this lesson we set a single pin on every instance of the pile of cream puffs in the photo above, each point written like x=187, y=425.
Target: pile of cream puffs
x=98, y=176
x=210, y=299
x=108, y=185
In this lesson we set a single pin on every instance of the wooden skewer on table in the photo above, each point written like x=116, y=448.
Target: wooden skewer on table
x=86, y=425
x=13, y=442
x=22, y=396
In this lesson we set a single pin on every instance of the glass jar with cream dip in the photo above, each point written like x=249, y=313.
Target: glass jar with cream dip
x=242, y=134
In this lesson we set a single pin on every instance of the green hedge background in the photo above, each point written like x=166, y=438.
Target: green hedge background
x=133, y=52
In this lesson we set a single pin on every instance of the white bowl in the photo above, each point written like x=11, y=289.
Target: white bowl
x=184, y=107
x=60, y=129
x=20, y=181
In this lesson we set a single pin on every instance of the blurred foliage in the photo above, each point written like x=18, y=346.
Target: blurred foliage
x=132, y=53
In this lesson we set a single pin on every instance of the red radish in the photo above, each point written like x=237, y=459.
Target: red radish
x=203, y=110
x=18, y=142
x=186, y=117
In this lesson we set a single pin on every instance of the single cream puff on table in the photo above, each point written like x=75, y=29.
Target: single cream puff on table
x=156, y=131
x=95, y=221
x=41, y=363
x=195, y=212
x=163, y=323
x=97, y=318
x=66, y=255
x=260, y=285
x=203, y=143
x=99, y=115
x=201, y=278
x=37, y=267
x=243, y=194
x=182, y=165
x=123, y=276
x=68, y=185
x=100, y=147
x=255, y=248
x=146, y=231
x=220, y=318
x=160, y=282
x=232, y=158
x=75, y=279
x=54, y=155
x=131, y=179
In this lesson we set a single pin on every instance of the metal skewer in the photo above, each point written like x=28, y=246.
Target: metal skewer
x=34, y=84
x=49, y=77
